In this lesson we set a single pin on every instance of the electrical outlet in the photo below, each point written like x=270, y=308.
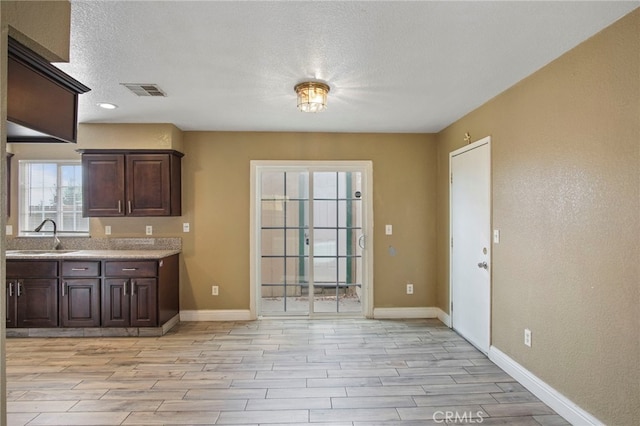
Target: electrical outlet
x=527, y=337
x=409, y=288
x=9, y=230
x=214, y=290
x=149, y=230
x=185, y=227
x=107, y=230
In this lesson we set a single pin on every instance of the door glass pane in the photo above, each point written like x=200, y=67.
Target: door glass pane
x=337, y=226
x=325, y=185
x=284, y=245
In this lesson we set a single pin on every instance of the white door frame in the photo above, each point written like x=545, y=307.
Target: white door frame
x=484, y=141
x=366, y=168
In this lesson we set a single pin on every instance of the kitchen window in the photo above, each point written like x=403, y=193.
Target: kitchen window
x=51, y=190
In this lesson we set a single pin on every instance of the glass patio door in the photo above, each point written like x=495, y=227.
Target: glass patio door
x=311, y=240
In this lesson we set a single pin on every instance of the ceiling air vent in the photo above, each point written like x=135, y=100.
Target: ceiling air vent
x=144, y=89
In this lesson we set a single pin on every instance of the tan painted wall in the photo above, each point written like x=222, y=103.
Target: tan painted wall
x=43, y=26
x=216, y=201
x=129, y=136
x=566, y=198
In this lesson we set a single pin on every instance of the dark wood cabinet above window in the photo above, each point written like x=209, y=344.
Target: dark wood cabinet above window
x=131, y=183
x=42, y=101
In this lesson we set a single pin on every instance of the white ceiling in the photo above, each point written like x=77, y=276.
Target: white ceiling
x=392, y=66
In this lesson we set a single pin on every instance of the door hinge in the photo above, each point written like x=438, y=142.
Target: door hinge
x=451, y=177
x=451, y=307
x=451, y=242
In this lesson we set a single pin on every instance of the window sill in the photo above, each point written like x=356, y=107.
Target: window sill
x=50, y=235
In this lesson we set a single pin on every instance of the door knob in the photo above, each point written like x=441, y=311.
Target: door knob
x=483, y=265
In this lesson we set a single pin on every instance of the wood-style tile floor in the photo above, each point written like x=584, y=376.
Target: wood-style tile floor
x=322, y=372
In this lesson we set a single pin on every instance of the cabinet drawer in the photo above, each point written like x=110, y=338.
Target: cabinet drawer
x=144, y=268
x=81, y=269
x=32, y=268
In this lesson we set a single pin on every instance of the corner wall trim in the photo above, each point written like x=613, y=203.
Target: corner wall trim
x=554, y=399
x=216, y=315
x=408, y=313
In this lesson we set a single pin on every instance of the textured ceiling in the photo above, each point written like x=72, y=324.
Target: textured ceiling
x=392, y=66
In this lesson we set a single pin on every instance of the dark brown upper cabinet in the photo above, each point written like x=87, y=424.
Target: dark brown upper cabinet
x=42, y=101
x=131, y=183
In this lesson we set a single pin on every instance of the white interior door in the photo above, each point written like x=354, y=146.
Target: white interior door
x=470, y=211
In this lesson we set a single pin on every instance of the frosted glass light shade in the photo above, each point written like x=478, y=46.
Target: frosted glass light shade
x=312, y=96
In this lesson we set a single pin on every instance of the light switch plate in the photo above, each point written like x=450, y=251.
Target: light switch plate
x=185, y=227
x=388, y=229
x=496, y=236
x=9, y=230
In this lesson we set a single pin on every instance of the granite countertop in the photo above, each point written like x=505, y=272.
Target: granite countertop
x=89, y=254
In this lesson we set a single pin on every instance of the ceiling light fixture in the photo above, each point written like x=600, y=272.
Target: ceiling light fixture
x=312, y=96
x=107, y=105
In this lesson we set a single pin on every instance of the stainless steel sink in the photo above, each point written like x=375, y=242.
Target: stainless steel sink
x=40, y=252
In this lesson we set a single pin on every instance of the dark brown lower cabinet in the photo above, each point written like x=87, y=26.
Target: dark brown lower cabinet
x=37, y=302
x=32, y=294
x=91, y=293
x=80, y=293
x=80, y=302
x=129, y=302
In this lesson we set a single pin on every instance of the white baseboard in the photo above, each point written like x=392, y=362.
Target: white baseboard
x=408, y=313
x=554, y=399
x=378, y=313
x=444, y=317
x=216, y=315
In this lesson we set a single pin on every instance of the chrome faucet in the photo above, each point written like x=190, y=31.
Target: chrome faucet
x=56, y=241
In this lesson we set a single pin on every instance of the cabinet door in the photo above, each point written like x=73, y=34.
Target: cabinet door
x=148, y=178
x=11, y=307
x=38, y=302
x=80, y=303
x=115, y=302
x=103, y=185
x=144, y=310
